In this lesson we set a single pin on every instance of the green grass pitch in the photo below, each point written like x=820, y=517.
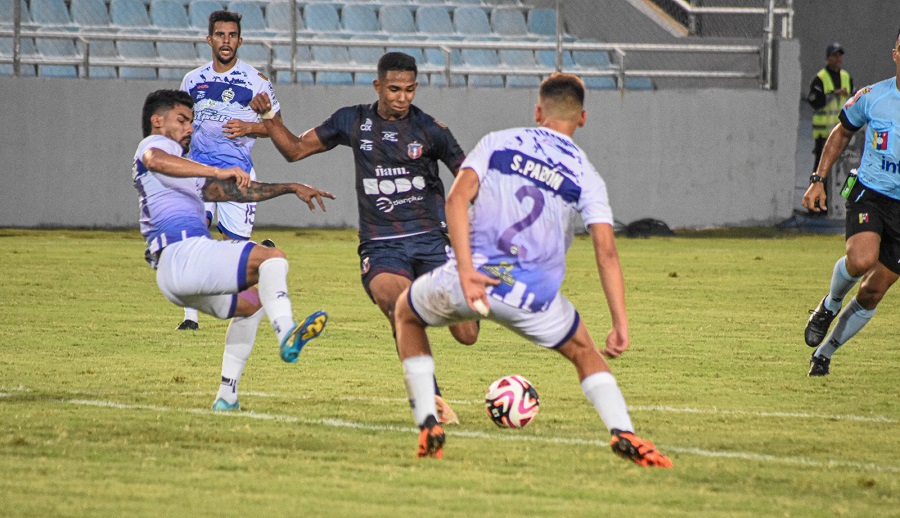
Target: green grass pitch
x=104, y=406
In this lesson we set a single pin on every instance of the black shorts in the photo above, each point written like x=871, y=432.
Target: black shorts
x=871, y=211
x=409, y=256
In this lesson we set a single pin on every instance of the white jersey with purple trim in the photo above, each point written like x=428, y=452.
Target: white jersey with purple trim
x=218, y=98
x=171, y=207
x=532, y=183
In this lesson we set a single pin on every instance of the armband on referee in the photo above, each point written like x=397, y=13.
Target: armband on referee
x=814, y=178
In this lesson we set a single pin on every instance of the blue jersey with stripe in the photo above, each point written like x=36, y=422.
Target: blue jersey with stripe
x=532, y=184
x=399, y=191
x=878, y=108
x=218, y=98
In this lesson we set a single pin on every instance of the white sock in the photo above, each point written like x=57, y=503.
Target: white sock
x=418, y=373
x=273, y=294
x=851, y=321
x=191, y=314
x=841, y=283
x=239, y=340
x=603, y=392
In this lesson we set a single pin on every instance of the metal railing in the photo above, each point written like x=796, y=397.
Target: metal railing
x=618, y=69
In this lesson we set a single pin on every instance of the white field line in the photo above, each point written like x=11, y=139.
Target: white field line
x=340, y=423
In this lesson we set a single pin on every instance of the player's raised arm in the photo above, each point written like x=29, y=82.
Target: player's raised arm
x=162, y=162
x=610, y=270
x=291, y=147
x=218, y=190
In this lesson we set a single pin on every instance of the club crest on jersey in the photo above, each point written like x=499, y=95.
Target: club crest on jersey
x=880, y=140
x=228, y=95
x=414, y=150
x=364, y=267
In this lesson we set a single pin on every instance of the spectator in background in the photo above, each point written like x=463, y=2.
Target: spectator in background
x=828, y=92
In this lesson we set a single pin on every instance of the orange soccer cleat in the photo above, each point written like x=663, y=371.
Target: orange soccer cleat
x=431, y=439
x=640, y=451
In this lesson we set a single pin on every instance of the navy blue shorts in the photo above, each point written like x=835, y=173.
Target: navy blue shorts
x=870, y=211
x=409, y=256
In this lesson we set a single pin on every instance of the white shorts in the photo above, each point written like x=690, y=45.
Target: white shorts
x=438, y=300
x=235, y=220
x=204, y=273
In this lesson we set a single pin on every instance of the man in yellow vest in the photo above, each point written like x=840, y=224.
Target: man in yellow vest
x=828, y=92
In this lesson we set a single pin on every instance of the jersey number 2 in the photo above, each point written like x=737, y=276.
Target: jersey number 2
x=527, y=191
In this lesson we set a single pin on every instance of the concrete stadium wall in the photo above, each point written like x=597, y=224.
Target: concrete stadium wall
x=692, y=158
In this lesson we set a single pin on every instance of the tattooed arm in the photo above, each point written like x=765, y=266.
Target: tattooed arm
x=224, y=190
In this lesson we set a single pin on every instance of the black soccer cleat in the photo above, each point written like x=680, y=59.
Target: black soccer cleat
x=817, y=327
x=188, y=325
x=818, y=366
x=268, y=243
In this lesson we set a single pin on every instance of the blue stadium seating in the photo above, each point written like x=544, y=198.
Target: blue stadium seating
x=283, y=59
x=434, y=21
x=397, y=20
x=438, y=57
x=509, y=23
x=332, y=56
x=252, y=19
x=322, y=18
x=366, y=56
x=199, y=11
x=50, y=12
x=278, y=17
x=523, y=59
x=359, y=19
x=542, y=22
x=6, y=9
x=131, y=16
x=638, y=83
x=471, y=21
x=26, y=48
x=90, y=13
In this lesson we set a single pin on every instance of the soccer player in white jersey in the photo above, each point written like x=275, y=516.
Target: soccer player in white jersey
x=225, y=279
x=511, y=213
x=873, y=217
x=225, y=128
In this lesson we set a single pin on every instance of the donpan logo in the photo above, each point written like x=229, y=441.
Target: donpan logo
x=387, y=205
x=376, y=187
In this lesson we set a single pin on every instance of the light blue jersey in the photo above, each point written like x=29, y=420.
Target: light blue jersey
x=533, y=181
x=878, y=108
x=171, y=207
x=219, y=98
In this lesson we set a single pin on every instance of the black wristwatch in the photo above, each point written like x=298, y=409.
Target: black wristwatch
x=813, y=178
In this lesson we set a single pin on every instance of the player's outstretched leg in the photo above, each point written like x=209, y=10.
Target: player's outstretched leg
x=817, y=326
x=640, y=451
x=818, y=366
x=191, y=320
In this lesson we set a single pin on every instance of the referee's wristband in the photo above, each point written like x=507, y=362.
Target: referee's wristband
x=813, y=178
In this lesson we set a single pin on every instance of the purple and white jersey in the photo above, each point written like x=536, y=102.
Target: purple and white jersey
x=171, y=207
x=532, y=183
x=218, y=98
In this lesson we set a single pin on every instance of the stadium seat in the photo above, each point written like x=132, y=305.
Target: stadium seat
x=547, y=58
x=365, y=56
x=483, y=58
x=252, y=19
x=434, y=21
x=102, y=49
x=199, y=11
x=6, y=20
x=171, y=16
x=521, y=59
x=396, y=20
x=56, y=48
x=283, y=60
x=321, y=18
x=278, y=17
x=132, y=18
x=359, y=19
x=509, y=22
x=26, y=47
x=542, y=22
x=439, y=58
x=638, y=83
x=49, y=12
x=90, y=13
x=591, y=58
x=471, y=21
x=332, y=56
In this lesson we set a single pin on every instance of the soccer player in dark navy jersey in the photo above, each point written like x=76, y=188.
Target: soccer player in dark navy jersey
x=400, y=197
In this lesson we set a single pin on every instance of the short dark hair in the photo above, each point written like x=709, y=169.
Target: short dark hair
x=224, y=16
x=396, y=61
x=162, y=101
x=560, y=86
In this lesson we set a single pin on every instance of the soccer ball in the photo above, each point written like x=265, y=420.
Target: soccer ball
x=511, y=401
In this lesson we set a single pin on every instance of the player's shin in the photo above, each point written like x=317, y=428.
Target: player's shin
x=418, y=372
x=273, y=294
x=603, y=392
x=239, y=340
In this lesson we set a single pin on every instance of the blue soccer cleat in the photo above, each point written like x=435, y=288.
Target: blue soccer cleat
x=224, y=406
x=301, y=334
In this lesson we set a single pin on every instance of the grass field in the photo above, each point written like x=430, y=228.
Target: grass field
x=104, y=407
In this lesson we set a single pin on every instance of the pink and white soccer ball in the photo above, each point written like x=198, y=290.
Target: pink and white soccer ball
x=511, y=401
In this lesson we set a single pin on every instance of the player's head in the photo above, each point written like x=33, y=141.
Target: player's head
x=396, y=84
x=561, y=98
x=224, y=36
x=169, y=113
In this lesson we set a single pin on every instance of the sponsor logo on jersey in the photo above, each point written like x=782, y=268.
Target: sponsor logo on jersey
x=376, y=187
x=210, y=114
x=863, y=218
x=414, y=150
x=389, y=136
x=387, y=205
x=366, y=126
x=390, y=171
x=203, y=86
x=891, y=167
x=228, y=95
x=365, y=145
x=880, y=140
